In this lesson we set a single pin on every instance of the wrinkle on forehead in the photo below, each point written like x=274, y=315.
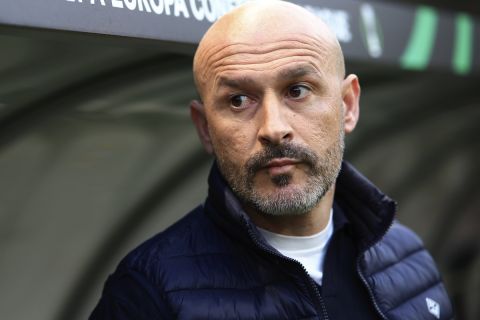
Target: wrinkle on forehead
x=272, y=54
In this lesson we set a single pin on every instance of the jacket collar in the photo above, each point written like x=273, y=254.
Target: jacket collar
x=369, y=211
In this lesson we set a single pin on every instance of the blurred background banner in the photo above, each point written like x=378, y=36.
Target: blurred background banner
x=414, y=37
x=98, y=153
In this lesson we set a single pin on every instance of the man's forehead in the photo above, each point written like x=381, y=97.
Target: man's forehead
x=275, y=54
x=230, y=47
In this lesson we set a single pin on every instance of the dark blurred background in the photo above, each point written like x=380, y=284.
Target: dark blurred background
x=97, y=153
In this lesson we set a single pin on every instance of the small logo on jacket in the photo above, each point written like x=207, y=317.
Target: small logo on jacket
x=433, y=307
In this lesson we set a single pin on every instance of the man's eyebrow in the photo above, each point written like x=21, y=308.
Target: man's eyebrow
x=290, y=73
x=236, y=83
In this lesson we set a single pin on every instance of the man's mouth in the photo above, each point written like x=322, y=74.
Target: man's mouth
x=280, y=165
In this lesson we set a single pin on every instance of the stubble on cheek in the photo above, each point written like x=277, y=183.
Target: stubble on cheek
x=228, y=150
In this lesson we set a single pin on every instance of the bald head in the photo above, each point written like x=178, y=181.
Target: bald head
x=262, y=26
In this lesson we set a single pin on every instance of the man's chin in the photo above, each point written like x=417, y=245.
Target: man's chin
x=280, y=192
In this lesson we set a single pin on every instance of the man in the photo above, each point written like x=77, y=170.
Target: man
x=288, y=231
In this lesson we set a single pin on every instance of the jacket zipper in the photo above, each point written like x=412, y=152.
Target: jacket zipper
x=290, y=260
x=365, y=282
x=370, y=292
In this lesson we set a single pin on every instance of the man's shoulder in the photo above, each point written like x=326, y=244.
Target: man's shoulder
x=161, y=271
x=193, y=235
x=399, y=245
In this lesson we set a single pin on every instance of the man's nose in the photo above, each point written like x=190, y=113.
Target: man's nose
x=274, y=126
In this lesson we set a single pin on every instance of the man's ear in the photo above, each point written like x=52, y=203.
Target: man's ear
x=197, y=113
x=351, y=102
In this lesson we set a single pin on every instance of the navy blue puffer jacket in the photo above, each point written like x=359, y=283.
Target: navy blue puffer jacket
x=213, y=264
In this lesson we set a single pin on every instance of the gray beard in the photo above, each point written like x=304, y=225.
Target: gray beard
x=322, y=173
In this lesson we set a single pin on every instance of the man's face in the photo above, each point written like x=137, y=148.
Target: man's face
x=275, y=121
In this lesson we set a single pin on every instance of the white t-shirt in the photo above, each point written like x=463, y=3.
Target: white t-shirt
x=309, y=251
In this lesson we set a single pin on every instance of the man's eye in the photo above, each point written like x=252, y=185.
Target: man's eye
x=239, y=101
x=298, y=91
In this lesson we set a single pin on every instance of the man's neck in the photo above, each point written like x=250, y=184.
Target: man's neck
x=297, y=225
